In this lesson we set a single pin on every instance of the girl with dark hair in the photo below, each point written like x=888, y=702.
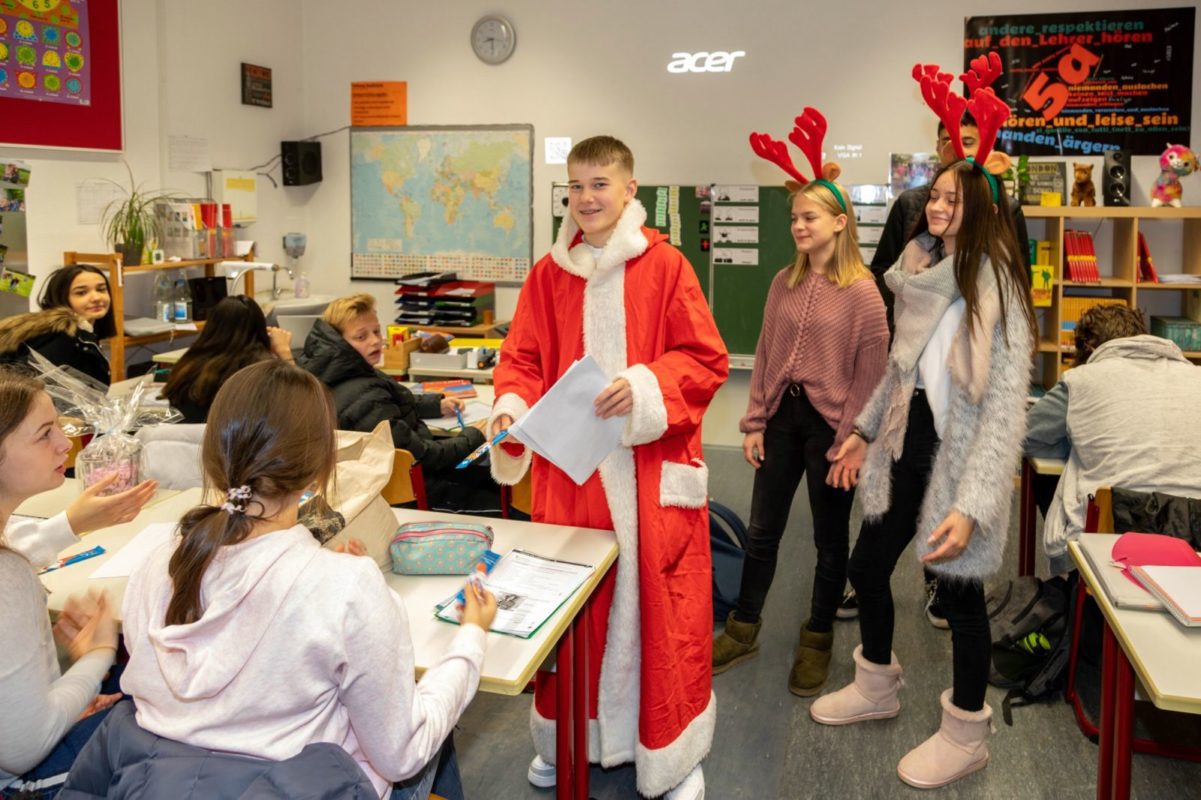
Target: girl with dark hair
x=234, y=336
x=76, y=314
x=48, y=714
x=246, y=595
x=940, y=438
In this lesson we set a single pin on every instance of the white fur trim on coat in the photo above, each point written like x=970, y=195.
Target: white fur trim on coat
x=648, y=419
x=507, y=470
x=662, y=769
x=542, y=731
x=684, y=485
x=626, y=242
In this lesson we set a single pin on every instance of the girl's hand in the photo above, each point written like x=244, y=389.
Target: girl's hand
x=844, y=470
x=616, y=400
x=955, y=531
x=101, y=702
x=479, y=606
x=752, y=449
x=352, y=546
x=86, y=624
x=501, y=423
x=90, y=512
x=281, y=342
x=450, y=405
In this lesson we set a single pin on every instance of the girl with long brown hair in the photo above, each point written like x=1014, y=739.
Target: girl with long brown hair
x=246, y=595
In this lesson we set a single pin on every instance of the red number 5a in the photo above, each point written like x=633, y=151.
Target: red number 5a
x=1073, y=69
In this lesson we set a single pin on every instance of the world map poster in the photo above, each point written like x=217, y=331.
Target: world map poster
x=45, y=51
x=442, y=199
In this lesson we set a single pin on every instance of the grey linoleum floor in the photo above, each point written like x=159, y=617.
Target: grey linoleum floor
x=766, y=746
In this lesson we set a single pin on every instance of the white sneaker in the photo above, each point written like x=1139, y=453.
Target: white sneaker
x=542, y=774
x=691, y=788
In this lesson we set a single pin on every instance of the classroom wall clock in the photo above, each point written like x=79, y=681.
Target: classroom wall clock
x=493, y=38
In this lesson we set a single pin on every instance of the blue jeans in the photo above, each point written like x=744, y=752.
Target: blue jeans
x=441, y=775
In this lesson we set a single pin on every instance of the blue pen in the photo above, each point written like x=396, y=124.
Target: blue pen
x=478, y=452
x=84, y=556
x=459, y=417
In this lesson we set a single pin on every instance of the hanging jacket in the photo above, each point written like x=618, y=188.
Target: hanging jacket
x=364, y=397
x=58, y=335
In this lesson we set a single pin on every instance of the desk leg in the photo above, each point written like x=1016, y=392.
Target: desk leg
x=1123, y=722
x=565, y=669
x=1026, y=520
x=1105, y=741
x=580, y=707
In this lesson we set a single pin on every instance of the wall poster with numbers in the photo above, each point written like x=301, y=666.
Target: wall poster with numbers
x=426, y=198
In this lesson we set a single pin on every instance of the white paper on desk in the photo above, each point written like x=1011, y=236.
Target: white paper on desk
x=130, y=558
x=473, y=412
x=529, y=589
x=563, y=426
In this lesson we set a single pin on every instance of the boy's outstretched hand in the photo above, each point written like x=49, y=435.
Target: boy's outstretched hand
x=616, y=400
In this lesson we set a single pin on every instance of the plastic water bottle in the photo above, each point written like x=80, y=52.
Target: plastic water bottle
x=301, y=286
x=164, y=298
x=182, y=299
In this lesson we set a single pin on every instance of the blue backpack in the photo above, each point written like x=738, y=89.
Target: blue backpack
x=727, y=541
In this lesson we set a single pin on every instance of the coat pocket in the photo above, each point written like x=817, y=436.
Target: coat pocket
x=684, y=485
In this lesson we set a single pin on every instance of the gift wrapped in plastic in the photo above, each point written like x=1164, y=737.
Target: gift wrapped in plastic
x=86, y=407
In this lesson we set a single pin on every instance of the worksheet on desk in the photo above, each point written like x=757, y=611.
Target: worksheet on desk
x=130, y=558
x=474, y=411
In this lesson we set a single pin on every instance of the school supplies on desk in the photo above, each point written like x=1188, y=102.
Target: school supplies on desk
x=438, y=548
x=478, y=453
x=1179, y=588
x=75, y=559
x=529, y=590
x=133, y=555
x=471, y=413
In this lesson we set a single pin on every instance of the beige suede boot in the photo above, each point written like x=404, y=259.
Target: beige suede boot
x=737, y=643
x=959, y=748
x=872, y=695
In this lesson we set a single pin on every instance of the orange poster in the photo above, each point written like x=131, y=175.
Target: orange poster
x=379, y=103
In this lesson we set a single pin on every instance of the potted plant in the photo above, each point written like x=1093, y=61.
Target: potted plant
x=130, y=223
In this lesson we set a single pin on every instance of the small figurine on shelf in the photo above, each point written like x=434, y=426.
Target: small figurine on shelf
x=1176, y=162
x=1084, y=193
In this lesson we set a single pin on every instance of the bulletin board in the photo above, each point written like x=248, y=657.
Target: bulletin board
x=734, y=275
x=62, y=74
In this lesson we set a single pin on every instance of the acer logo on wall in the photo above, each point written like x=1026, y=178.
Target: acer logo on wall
x=717, y=61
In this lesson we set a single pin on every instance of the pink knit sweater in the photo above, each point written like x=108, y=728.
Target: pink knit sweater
x=832, y=341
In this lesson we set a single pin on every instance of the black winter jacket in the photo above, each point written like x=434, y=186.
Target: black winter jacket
x=364, y=397
x=58, y=338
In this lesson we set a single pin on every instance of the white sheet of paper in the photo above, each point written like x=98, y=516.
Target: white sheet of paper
x=563, y=426
x=473, y=412
x=133, y=555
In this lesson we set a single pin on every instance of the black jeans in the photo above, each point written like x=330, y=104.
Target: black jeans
x=881, y=543
x=795, y=444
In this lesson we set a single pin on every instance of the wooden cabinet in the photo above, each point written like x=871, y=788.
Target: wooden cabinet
x=110, y=264
x=1118, y=268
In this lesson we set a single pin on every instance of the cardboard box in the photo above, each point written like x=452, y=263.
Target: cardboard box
x=452, y=360
x=397, y=357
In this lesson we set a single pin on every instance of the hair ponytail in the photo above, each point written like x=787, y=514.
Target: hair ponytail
x=271, y=430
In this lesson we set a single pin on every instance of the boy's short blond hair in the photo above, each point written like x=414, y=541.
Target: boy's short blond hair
x=340, y=312
x=601, y=151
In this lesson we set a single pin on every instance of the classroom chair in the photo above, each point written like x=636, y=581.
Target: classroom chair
x=407, y=484
x=1099, y=519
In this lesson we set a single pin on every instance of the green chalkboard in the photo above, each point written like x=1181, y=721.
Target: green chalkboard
x=736, y=292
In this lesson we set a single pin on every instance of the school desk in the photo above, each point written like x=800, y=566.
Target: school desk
x=510, y=662
x=1027, y=509
x=1151, y=645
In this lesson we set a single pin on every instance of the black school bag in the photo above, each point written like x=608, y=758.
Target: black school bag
x=727, y=541
x=1031, y=639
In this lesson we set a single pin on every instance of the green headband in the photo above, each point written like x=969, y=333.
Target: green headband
x=992, y=181
x=834, y=190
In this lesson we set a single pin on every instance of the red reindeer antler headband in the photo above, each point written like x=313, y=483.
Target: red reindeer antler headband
x=808, y=132
x=988, y=110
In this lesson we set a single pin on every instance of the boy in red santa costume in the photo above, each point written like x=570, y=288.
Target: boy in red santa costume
x=615, y=289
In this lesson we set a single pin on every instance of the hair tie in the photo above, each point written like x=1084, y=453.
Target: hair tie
x=992, y=181
x=834, y=190
x=240, y=493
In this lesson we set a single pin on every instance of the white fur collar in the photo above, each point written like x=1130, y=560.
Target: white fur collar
x=626, y=242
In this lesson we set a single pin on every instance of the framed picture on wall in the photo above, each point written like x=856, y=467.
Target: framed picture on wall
x=61, y=74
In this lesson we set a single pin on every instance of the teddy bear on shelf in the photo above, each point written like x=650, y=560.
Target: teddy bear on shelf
x=1083, y=191
x=1176, y=162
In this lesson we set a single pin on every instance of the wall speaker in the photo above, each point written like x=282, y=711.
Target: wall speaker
x=1115, y=180
x=301, y=162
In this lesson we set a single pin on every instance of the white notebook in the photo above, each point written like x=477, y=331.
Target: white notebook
x=1178, y=587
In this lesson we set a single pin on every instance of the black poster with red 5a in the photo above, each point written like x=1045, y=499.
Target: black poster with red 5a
x=1086, y=82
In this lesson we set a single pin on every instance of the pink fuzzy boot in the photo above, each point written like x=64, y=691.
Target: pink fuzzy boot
x=959, y=748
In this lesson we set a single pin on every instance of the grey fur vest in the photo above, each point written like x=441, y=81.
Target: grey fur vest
x=976, y=461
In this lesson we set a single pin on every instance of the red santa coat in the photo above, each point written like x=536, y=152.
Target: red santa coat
x=639, y=311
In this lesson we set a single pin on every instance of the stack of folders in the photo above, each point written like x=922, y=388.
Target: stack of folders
x=1178, y=588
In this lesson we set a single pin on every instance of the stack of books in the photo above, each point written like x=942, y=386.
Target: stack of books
x=442, y=300
x=1080, y=254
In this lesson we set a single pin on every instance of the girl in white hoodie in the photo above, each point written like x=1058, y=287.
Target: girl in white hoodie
x=246, y=636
